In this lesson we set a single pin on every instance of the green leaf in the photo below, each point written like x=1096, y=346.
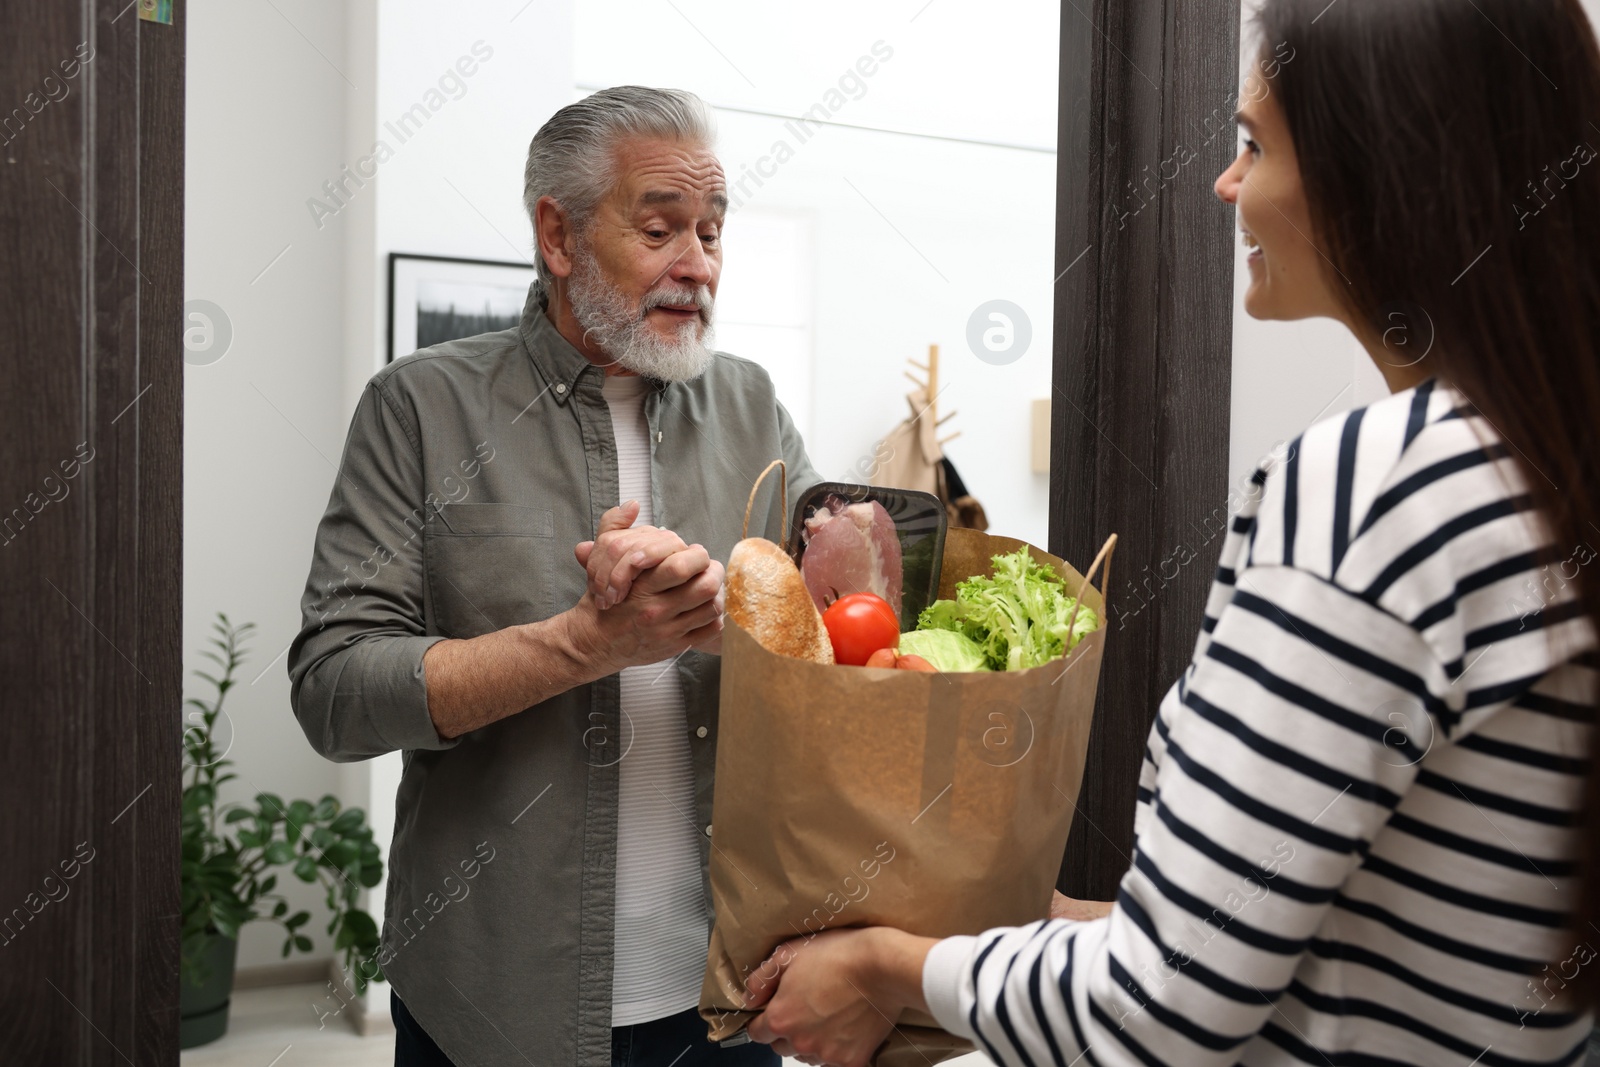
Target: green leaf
x=218, y=862
x=361, y=925
x=348, y=821
x=216, y=893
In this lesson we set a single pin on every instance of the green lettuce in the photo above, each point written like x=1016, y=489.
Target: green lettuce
x=1018, y=617
x=945, y=649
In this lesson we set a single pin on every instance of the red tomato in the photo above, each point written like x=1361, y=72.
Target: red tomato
x=859, y=625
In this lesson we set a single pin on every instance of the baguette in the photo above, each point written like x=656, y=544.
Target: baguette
x=768, y=599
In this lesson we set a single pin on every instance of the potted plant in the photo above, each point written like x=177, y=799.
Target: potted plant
x=230, y=852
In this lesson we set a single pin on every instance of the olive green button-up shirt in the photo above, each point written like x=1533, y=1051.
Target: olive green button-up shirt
x=470, y=472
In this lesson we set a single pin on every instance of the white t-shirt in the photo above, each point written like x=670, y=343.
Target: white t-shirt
x=661, y=933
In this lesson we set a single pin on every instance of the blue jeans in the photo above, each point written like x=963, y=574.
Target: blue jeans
x=676, y=1041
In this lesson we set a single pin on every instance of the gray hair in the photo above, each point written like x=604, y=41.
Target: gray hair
x=571, y=157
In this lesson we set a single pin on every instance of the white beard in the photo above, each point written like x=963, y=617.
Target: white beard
x=620, y=330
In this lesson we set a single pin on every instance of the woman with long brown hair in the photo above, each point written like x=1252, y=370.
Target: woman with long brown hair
x=1367, y=822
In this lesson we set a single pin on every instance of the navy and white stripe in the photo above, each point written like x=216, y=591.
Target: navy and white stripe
x=1358, y=813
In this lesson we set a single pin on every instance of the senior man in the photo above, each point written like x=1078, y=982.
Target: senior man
x=518, y=584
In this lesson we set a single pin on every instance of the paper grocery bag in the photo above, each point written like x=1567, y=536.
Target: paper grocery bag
x=853, y=796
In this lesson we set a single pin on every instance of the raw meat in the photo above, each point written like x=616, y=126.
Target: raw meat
x=851, y=548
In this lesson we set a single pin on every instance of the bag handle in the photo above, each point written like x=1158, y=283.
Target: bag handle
x=783, y=512
x=1105, y=584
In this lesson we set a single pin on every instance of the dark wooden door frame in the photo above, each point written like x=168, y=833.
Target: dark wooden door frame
x=91, y=435
x=1142, y=362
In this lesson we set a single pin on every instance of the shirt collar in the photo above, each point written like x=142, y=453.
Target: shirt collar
x=558, y=363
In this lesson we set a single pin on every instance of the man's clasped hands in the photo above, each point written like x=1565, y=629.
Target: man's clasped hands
x=650, y=596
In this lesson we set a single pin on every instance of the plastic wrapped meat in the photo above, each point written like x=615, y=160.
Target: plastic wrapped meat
x=851, y=548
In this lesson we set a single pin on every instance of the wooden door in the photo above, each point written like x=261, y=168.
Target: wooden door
x=91, y=431
x=1143, y=352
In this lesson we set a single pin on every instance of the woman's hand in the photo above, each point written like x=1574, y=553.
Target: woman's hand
x=1065, y=907
x=833, y=998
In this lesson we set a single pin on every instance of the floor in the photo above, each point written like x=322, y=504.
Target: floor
x=279, y=1027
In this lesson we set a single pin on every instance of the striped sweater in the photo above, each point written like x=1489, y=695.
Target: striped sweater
x=1358, y=814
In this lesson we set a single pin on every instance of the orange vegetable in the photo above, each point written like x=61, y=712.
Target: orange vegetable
x=909, y=662
x=884, y=657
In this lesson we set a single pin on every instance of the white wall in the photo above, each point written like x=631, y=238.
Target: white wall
x=278, y=105
x=265, y=423
x=301, y=286
x=913, y=225
x=1286, y=375
x=269, y=123
x=454, y=188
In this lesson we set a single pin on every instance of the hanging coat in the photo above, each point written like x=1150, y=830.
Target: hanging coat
x=912, y=459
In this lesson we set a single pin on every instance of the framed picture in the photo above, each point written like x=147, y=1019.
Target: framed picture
x=438, y=298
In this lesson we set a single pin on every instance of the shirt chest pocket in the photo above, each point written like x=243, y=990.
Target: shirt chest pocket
x=489, y=566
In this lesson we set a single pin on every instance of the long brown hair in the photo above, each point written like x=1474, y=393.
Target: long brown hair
x=1448, y=150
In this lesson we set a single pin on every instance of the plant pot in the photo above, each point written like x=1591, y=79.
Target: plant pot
x=203, y=1006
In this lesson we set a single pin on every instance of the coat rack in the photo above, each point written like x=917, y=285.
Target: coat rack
x=930, y=390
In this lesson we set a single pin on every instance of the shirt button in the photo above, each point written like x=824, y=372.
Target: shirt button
x=700, y=731
x=560, y=388
x=708, y=830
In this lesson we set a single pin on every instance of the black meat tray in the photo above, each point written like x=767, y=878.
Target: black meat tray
x=920, y=522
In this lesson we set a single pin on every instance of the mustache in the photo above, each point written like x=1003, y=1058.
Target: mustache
x=699, y=296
